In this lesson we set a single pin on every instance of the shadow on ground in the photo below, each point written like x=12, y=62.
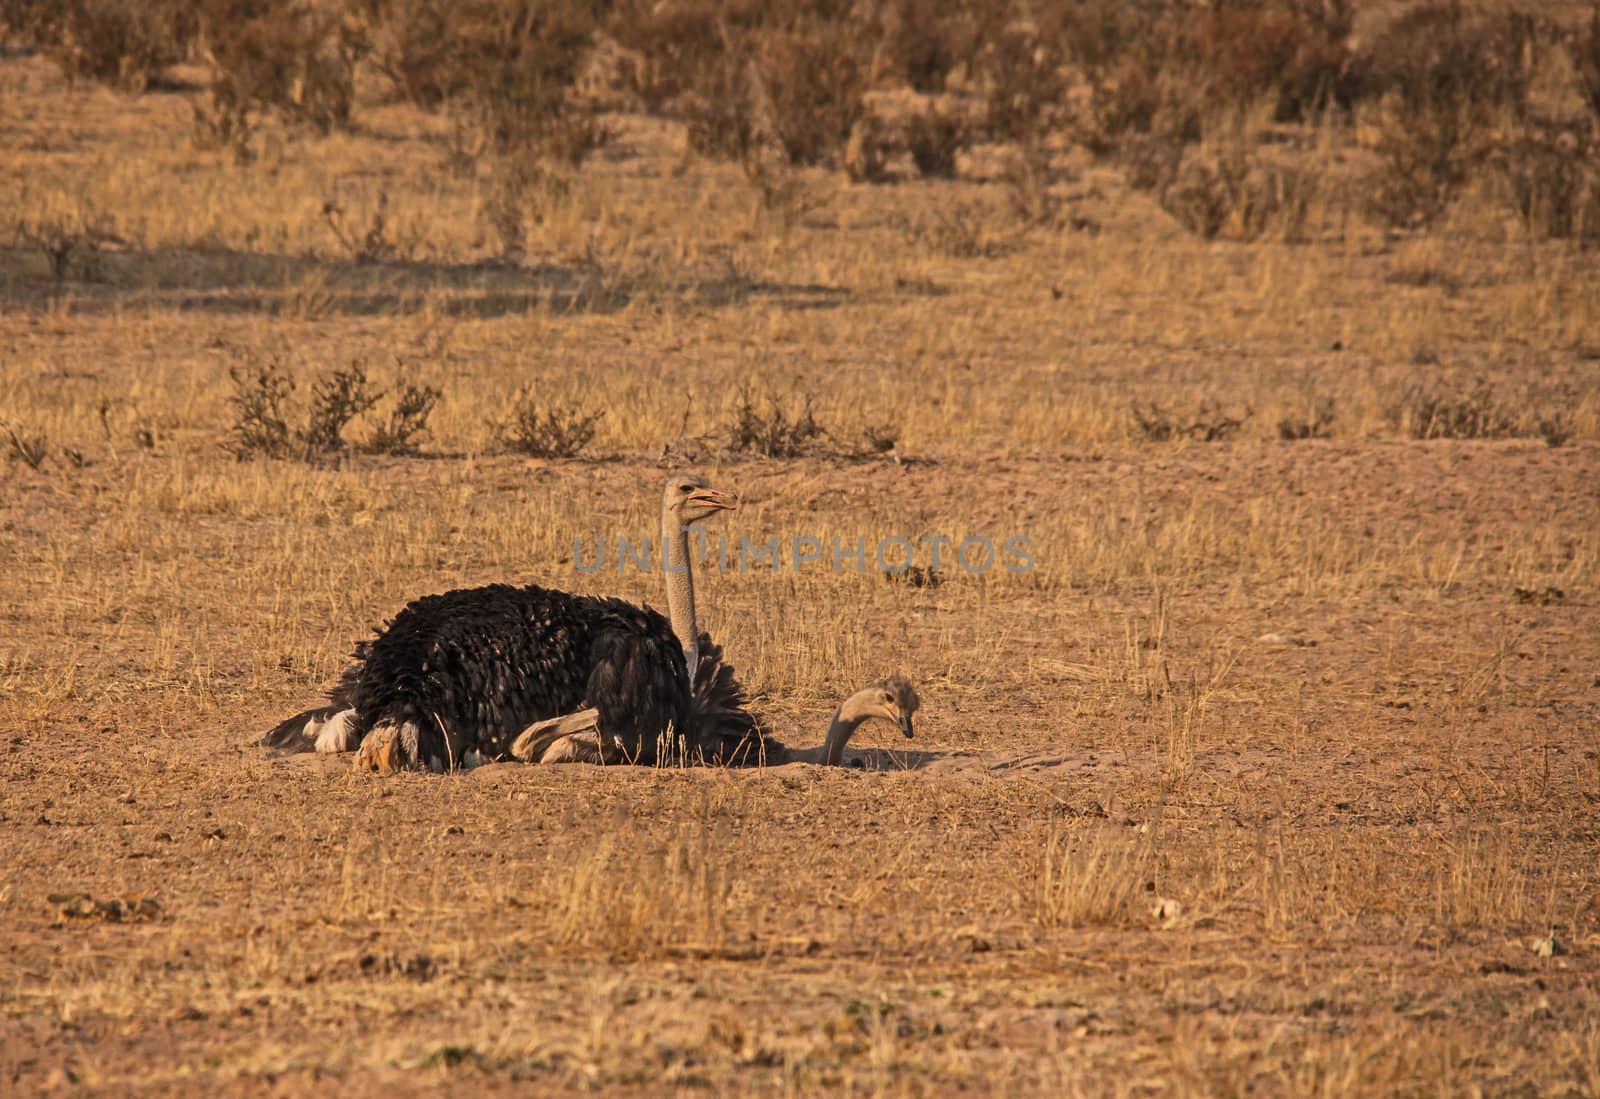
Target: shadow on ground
x=877, y=760
x=230, y=281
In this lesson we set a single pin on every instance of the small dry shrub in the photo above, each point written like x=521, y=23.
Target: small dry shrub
x=547, y=431
x=337, y=398
x=1293, y=53
x=262, y=400
x=1551, y=178
x=1584, y=47
x=960, y=230
x=1315, y=422
x=1228, y=188
x=1426, y=156
x=372, y=237
x=1208, y=424
x=70, y=243
x=30, y=450
x=1442, y=55
x=128, y=44
x=522, y=193
x=935, y=138
x=292, y=57
x=1449, y=409
x=407, y=423
x=771, y=430
x=923, y=41
x=791, y=74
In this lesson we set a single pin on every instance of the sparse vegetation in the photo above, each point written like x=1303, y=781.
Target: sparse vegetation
x=1252, y=766
x=542, y=430
x=263, y=404
x=71, y=245
x=407, y=424
x=1441, y=410
x=772, y=429
x=1208, y=424
x=30, y=450
x=1315, y=423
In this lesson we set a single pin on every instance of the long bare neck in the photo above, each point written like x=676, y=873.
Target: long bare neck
x=846, y=720
x=675, y=564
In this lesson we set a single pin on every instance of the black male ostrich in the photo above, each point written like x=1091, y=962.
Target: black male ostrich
x=457, y=677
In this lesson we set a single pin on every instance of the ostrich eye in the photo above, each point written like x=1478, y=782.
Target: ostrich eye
x=888, y=699
x=685, y=488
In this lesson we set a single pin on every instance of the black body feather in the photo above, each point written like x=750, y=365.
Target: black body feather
x=721, y=727
x=470, y=669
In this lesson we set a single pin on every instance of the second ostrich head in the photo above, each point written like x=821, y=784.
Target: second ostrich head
x=893, y=699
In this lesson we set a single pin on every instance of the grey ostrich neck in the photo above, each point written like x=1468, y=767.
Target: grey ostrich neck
x=675, y=563
x=846, y=720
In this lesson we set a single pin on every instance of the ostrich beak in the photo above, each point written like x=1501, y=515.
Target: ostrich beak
x=901, y=718
x=713, y=498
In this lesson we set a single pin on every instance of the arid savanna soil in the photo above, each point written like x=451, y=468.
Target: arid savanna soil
x=1276, y=773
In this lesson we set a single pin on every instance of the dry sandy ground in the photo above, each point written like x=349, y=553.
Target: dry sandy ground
x=1279, y=774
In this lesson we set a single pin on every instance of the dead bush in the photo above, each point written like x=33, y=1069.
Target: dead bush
x=1445, y=56
x=261, y=394
x=263, y=407
x=935, y=138
x=291, y=57
x=1426, y=154
x=547, y=431
x=70, y=243
x=407, y=423
x=1228, y=188
x=30, y=450
x=1453, y=409
x=373, y=238
x=1208, y=424
x=1584, y=47
x=1292, y=52
x=522, y=194
x=770, y=429
x=1551, y=178
x=337, y=398
x=1315, y=422
x=791, y=73
x=923, y=41
x=960, y=230
x=127, y=44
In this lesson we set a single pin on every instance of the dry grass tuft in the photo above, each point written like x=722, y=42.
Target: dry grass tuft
x=1088, y=875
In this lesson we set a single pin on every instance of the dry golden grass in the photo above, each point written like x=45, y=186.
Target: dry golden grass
x=1276, y=775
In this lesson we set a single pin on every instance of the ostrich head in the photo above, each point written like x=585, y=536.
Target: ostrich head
x=689, y=500
x=893, y=699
